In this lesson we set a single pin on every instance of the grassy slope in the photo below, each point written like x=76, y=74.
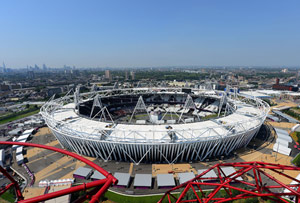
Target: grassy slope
x=128, y=199
x=19, y=116
x=8, y=196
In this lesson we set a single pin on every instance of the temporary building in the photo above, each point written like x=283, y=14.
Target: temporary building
x=83, y=173
x=142, y=181
x=183, y=177
x=165, y=181
x=123, y=179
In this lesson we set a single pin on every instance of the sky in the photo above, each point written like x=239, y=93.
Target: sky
x=140, y=33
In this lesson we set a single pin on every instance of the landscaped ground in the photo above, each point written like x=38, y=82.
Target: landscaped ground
x=31, y=110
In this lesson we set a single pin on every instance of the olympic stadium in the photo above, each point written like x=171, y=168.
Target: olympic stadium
x=154, y=125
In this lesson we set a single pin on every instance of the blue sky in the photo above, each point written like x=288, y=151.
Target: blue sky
x=128, y=33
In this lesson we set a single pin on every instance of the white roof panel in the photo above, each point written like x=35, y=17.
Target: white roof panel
x=82, y=171
x=183, y=177
x=228, y=171
x=165, y=180
x=97, y=175
x=142, y=180
x=209, y=174
x=123, y=178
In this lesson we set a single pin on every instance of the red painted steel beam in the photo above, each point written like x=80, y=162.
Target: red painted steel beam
x=105, y=183
x=76, y=156
x=3, y=190
x=97, y=196
x=259, y=189
x=14, y=182
x=67, y=191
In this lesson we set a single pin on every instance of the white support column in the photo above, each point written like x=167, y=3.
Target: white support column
x=76, y=96
x=140, y=105
x=96, y=103
x=189, y=104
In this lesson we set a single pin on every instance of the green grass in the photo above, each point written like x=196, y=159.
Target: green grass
x=296, y=136
x=296, y=160
x=16, y=117
x=8, y=196
x=119, y=198
x=128, y=199
x=209, y=117
x=292, y=114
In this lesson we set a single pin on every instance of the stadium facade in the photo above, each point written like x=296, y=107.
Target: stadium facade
x=165, y=125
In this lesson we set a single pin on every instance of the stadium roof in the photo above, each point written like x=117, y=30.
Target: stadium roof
x=165, y=180
x=124, y=131
x=183, y=177
x=123, y=179
x=142, y=180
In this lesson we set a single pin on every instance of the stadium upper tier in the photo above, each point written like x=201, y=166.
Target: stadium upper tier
x=154, y=125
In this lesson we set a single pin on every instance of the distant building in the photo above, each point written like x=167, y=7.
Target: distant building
x=3, y=68
x=15, y=86
x=4, y=88
x=278, y=86
x=132, y=75
x=54, y=90
x=31, y=74
x=44, y=67
x=126, y=75
x=108, y=75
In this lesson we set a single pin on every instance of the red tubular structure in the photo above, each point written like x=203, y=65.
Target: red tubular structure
x=261, y=184
x=100, y=186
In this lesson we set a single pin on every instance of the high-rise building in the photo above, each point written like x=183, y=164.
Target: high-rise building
x=132, y=75
x=44, y=67
x=126, y=75
x=3, y=68
x=108, y=75
x=31, y=74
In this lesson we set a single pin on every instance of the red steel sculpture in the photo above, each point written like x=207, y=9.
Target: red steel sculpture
x=258, y=181
x=100, y=186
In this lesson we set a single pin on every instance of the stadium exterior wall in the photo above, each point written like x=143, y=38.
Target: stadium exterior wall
x=169, y=152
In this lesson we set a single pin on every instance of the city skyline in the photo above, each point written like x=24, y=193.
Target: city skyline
x=152, y=34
